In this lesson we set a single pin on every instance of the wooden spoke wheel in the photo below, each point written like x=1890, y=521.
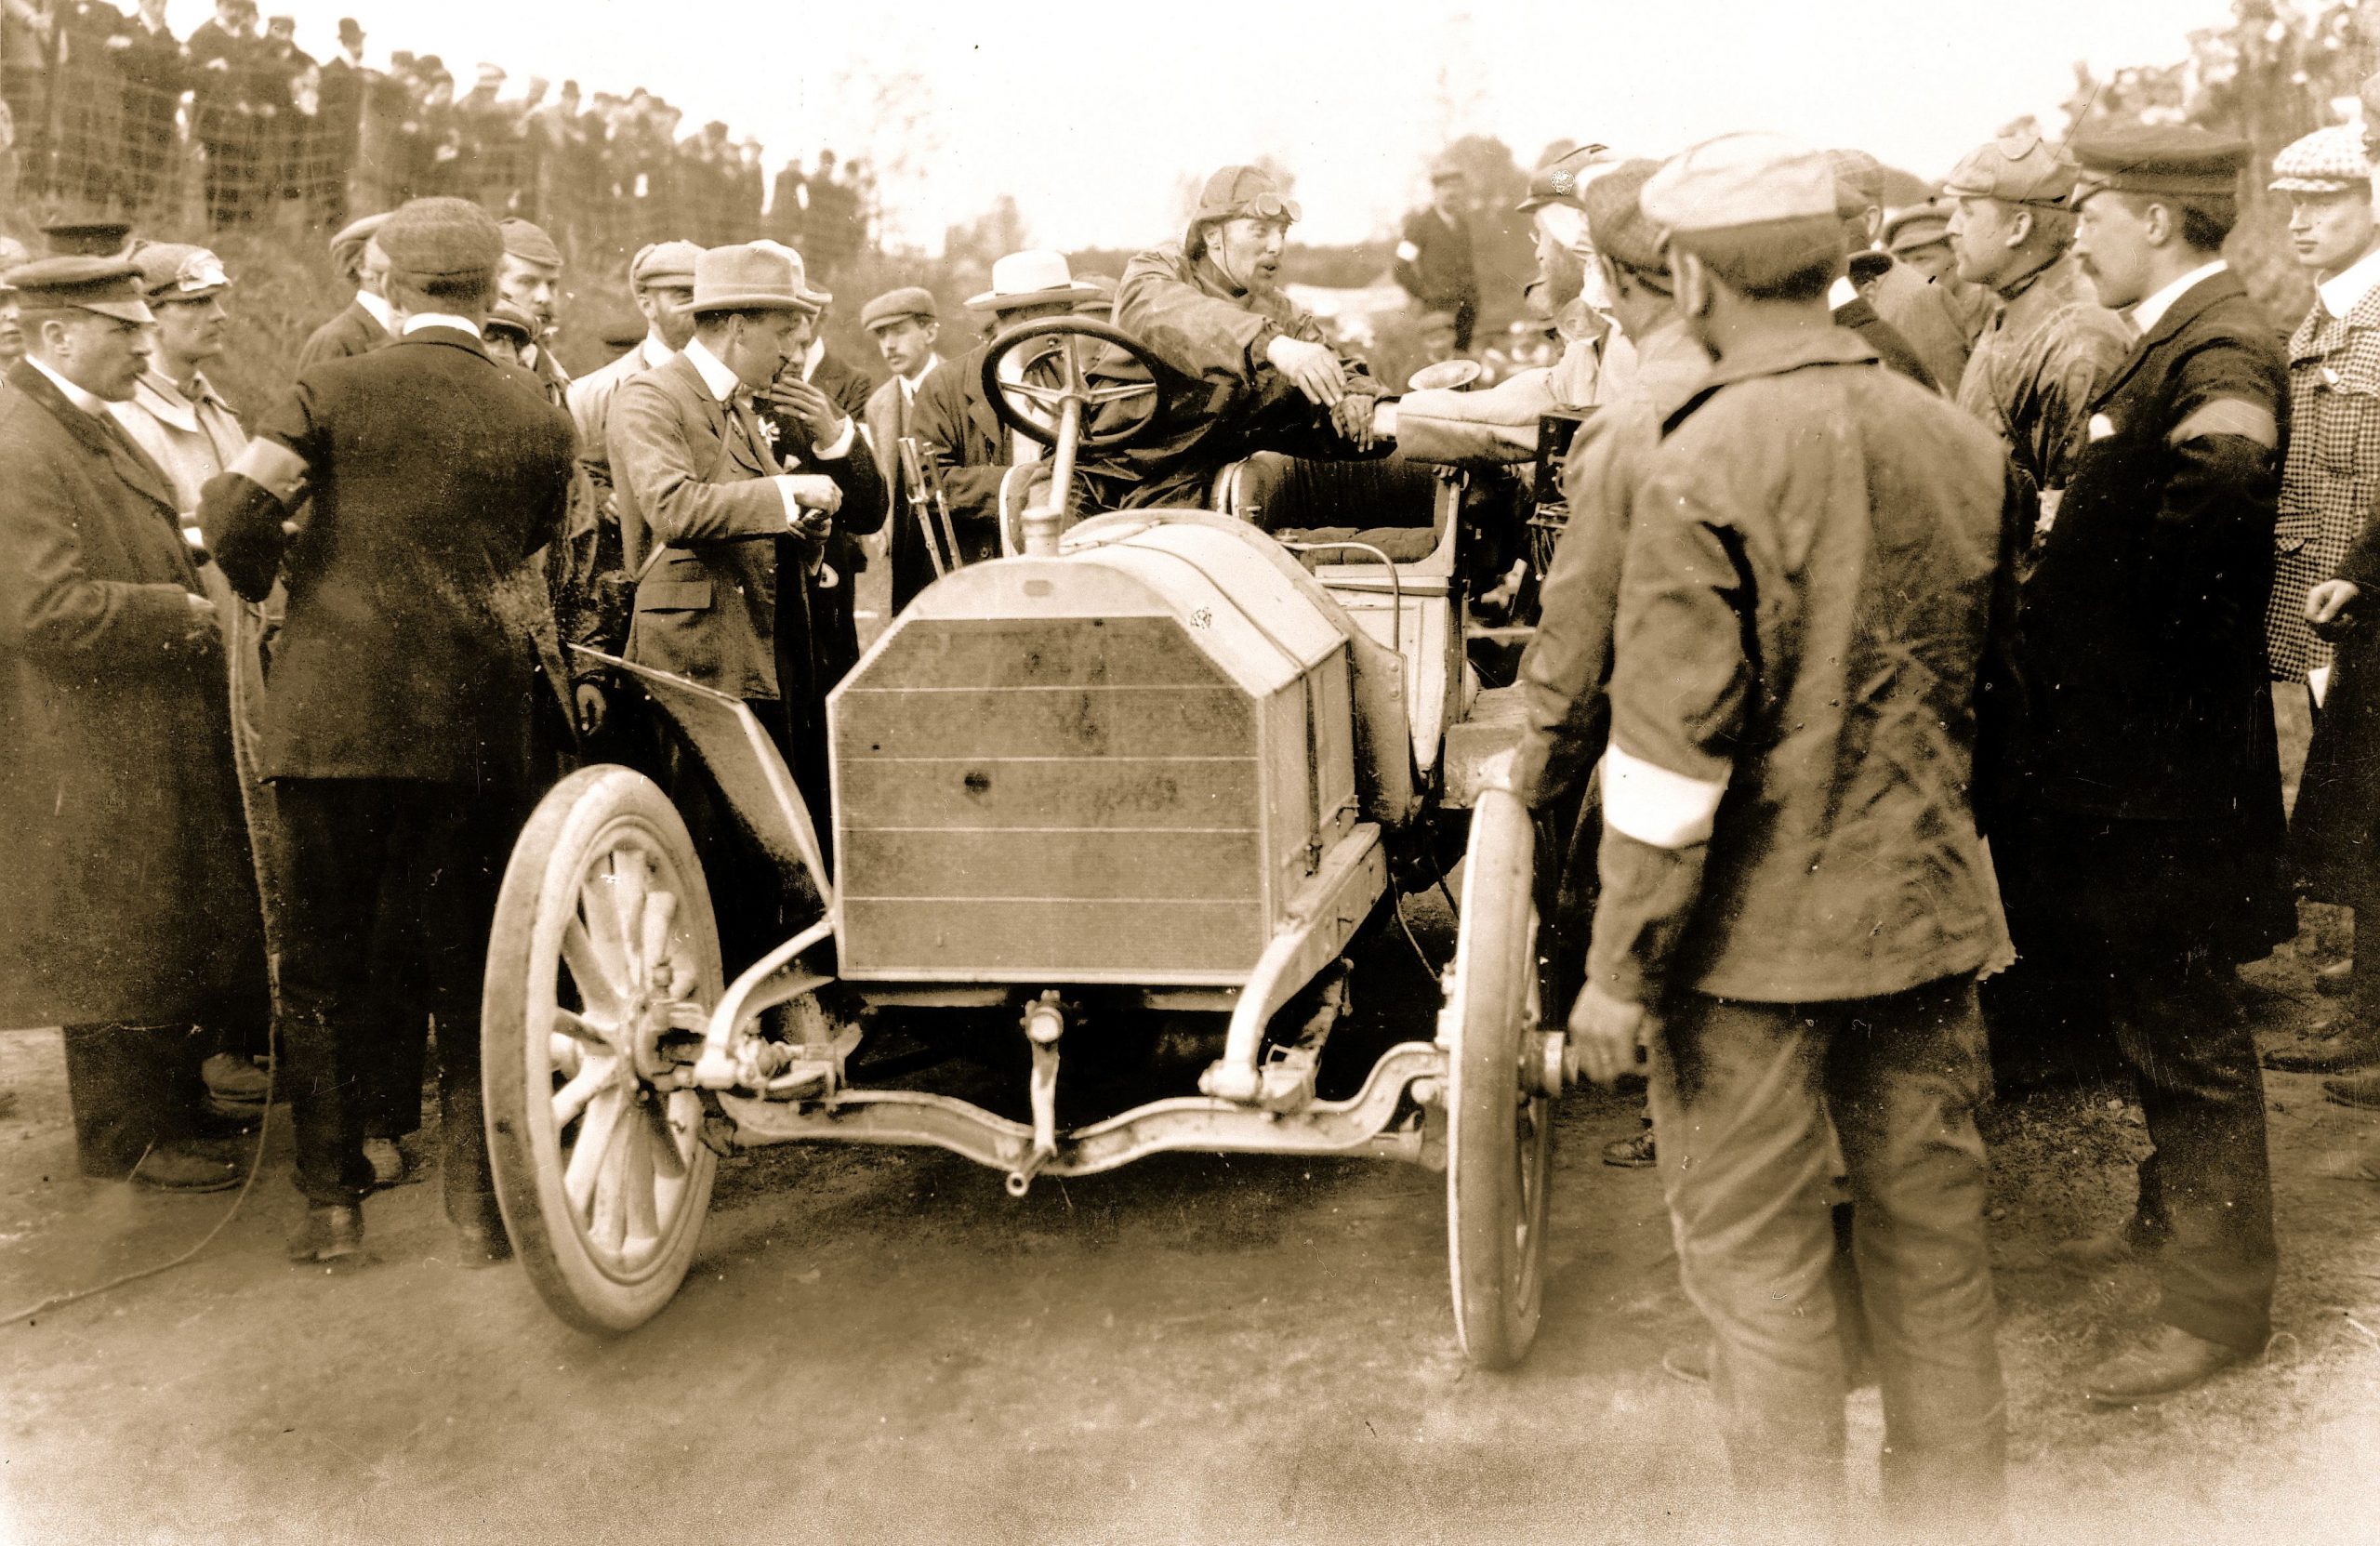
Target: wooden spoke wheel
x=1499, y=1135
x=603, y=967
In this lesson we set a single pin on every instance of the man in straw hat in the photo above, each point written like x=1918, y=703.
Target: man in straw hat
x=954, y=425
x=397, y=729
x=721, y=532
x=2144, y=841
x=1791, y=922
x=132, y=915
x=1242, y=368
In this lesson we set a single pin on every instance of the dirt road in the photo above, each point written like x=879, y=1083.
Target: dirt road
x=878, y=1346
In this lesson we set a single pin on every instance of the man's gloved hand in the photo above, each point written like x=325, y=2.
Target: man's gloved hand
x=1311, y=368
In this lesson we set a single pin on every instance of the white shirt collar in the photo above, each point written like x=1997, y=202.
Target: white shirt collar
x=378, y=310
x=90, y=403
x=810, y=358
x=2148, y=314
x=1842, y=292
x=2345, y=289
x=909, y=384
x=655, y=352
x=723, y=382
x=420, y=319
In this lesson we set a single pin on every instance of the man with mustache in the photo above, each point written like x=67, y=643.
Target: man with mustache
x=1243, y=368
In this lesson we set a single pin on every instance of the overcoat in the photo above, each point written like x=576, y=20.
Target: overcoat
x=2141, y=631
x=957, y=429
x=2332, y=832
x=350, y=331
x=131, y=896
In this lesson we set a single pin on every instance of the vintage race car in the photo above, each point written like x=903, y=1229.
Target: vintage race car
x=1158, y=761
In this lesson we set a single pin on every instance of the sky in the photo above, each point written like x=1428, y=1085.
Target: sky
x=1091, y=114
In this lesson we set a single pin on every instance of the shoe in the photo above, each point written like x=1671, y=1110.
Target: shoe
x=2337, y=1057
x=1634, y=1152
x=2169, y=1362
x=183, y=1170
x=2333, y=980
x=2360, y=1090
x=329, y=1231
x=235, y=1082
x=392, y=1163
x=1688, y=1364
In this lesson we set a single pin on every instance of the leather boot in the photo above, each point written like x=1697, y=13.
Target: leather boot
x=328, y=1232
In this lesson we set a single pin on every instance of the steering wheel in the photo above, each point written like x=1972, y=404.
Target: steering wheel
x=1038, y=411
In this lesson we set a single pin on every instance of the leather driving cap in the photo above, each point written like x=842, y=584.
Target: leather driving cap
x=2016, y=169
x=107, y=285
x=2181, y=160
x=175, y=271
x=1558, y=180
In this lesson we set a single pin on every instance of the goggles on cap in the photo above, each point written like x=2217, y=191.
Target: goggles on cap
x=1269, y=207
x=198, y=272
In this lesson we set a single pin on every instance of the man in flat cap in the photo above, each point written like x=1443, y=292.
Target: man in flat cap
x=2325, y=562
x=2035, y=370
x=365, y=323
x=1243, y=368
x=1915, y=313
x=1433, y=258
x=1795, y=893
x=906, y=323
x=1500, y=424
x=530, y=279
x=2148, y=816
x=721, y=532
x=398, y=726
x=134, y=913
x=662, y=278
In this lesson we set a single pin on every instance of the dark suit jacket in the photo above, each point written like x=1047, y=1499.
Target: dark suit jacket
x=351, y=332
x=131, y=895
x=706, y=606
x=972, y=449
x=435, y=473
x=1860, y=317
x=849, y=386
x=2143, y=622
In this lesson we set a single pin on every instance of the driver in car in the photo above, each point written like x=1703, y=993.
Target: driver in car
x=1242, y=369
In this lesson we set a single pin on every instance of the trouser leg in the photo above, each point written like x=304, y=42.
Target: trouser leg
x=466, y=833
x=1904, y=1075
x=332, y=853
x=2195, y=1067
x=1745, y=1162
x=394, y=1055
x=132, y=1087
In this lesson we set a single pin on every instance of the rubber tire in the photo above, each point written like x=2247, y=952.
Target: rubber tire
x=1496, y=1176
x=538, y=897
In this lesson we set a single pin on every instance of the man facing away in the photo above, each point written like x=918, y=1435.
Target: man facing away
x=1794, y=899
x=398, y=726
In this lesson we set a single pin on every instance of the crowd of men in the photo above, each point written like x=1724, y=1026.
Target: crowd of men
x=1926, y=580
x=112, y=111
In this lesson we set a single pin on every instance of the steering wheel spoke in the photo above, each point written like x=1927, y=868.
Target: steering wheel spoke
x=1061, y=349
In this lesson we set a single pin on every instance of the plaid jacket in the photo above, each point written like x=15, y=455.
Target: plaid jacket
x=2333, y=474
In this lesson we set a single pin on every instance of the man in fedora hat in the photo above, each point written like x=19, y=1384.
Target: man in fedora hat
x=398, y=727
x=365, y=323
x=1242, y=369
x=955, y=425
x=721, y=531
x=132, y=915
